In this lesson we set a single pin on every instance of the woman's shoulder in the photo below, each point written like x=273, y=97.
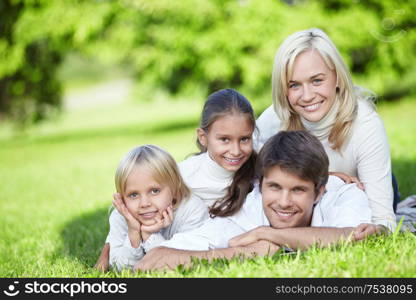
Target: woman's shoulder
x=367, y=116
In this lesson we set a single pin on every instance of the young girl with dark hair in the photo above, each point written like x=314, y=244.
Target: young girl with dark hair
x=222, y=173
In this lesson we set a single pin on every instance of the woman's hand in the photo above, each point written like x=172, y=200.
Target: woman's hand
x=364, y=230
x=160, y=222
x=348, y=179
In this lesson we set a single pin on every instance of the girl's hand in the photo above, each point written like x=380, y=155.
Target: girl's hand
x=132, y=223
x=364, y=230
x=160, y=222
x=348, y=179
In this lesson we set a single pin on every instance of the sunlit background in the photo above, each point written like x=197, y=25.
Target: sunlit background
x=82, y=82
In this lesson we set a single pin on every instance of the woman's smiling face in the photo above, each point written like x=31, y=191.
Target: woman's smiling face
x=312, y=86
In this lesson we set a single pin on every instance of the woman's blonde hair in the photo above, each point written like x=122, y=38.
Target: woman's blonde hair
x=161, y=164
x=346, y=96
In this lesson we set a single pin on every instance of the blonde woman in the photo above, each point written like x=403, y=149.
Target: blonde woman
x=313, y=90
x=152, y=204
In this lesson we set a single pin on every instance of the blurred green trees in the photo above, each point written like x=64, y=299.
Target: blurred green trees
x=195, y=44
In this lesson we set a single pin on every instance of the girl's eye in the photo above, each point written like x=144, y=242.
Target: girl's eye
x=155, y=191
x=245, y=139
x=224, y=140
x=133, y=195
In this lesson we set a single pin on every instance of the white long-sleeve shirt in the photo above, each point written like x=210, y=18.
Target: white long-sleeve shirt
x=342, y=205
x=190, y=214
x=365, y=155
x=207, y=179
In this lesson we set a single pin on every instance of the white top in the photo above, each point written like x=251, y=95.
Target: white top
x=207, y=179
x=189, y=215
x=343, y=205
x=365, y=155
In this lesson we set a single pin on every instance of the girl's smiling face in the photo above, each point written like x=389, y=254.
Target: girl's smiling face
x=229, y=140
x=312, y=86
x=144, y=197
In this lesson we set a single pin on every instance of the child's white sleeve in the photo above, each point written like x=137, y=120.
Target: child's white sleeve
x=190, y=215
x=122, y=254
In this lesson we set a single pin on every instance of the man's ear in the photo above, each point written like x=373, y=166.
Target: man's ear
x=320, y=193
x=202, y=136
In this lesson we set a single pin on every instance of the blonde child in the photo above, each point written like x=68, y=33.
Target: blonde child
x=152, y=204
x=221, y=173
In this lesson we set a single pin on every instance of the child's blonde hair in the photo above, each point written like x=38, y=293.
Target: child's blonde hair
x=346, y=94
x=160, y=163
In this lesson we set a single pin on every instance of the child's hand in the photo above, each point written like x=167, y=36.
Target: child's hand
x=132, y=223
x=348, y=179
x=364, y=230
x=160, y=222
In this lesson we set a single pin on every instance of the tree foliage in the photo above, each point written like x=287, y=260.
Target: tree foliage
x=180, y=45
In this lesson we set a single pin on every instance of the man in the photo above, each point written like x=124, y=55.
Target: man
x=294, y=204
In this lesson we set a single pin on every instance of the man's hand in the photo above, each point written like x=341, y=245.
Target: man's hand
x=259, y=248
x=247, y=238
x=364, y=230
x=161, y=258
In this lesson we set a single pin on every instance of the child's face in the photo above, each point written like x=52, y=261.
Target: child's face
x=229, y=141
x=312, y=87
x=287, y=199
x=144, y=197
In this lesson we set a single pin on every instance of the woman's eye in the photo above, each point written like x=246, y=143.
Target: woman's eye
x=317, y=81
x=293, y=85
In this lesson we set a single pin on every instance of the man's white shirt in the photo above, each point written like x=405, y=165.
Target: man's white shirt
x=342, y=205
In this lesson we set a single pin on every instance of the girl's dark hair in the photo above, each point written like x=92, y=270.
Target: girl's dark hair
x=219, y=104
x=297, y=152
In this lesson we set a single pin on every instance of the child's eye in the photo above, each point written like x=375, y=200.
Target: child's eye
x=133, y=195
x=224, y=139
x=245, y=139
x=155, y=191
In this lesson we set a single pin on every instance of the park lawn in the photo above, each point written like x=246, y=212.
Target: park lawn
x=57, y=181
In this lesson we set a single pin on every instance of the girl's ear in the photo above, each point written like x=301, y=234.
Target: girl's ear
x=202, y=137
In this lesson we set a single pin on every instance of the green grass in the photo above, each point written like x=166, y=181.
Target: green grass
x=57, y=181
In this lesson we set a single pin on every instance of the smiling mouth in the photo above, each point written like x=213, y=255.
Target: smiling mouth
x=148, y=215
x=313, y=107
x=285, y=214
x=233, y=161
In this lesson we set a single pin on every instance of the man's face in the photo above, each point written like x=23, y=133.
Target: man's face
x=287, y=199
